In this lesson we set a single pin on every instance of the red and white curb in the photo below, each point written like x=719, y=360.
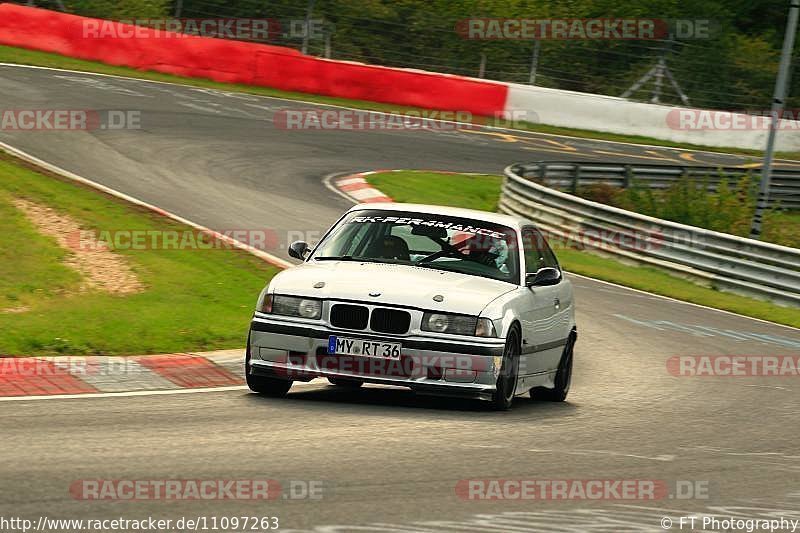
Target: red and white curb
x=67, y=375
x=357, y=188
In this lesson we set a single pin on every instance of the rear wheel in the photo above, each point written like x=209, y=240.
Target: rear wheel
x=563, y=378
x=348, y=383
x=503, y=396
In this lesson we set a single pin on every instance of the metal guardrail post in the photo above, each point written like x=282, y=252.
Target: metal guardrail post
x=685, y=174
x=627, y=179
x=576, y=177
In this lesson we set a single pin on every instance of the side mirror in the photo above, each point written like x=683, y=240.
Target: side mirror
x=298, y=250
x=545, y=276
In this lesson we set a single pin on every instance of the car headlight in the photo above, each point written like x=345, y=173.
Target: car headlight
x=277, y=304
x=451, y=324
x=485, y=328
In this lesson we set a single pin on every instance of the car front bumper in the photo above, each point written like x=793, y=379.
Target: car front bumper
x=299, y=351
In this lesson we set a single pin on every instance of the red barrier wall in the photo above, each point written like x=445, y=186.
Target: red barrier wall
x=381, y=84
x=240, y=62
x=202, y=57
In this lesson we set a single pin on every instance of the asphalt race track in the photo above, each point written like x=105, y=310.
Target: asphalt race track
x=389, y=460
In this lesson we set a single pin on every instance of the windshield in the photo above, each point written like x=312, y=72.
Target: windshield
x=463, y=245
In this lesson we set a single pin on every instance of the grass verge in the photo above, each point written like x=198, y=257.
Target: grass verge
x=483, y=192
x=194, y=299
x=24, y=56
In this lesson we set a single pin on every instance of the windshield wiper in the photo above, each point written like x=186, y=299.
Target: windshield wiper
x=359, y=258
x=433, y=266
x=337, y=258
x=453, y=254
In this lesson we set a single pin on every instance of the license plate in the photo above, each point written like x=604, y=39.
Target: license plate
x=363, y=348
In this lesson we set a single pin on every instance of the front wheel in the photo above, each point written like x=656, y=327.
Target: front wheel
x=267, y=386
x=506, y=388
x=274, y=387
x=563, y=377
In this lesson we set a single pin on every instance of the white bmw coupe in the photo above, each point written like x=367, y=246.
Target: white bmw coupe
x=445, y=301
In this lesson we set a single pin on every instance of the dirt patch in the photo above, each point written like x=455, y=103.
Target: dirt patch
x=13, y=310
x=101, y=268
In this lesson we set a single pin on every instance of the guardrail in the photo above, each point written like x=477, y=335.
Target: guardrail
x=784, y=185
x=727, y=262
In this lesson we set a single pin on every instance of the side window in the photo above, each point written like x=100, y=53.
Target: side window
x=533, y=259
x=549, y=257
x=537, y=252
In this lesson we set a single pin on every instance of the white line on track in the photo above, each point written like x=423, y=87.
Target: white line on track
x=120, y=394
x=138, y=393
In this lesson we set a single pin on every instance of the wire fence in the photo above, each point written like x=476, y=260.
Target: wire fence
x=726, y=69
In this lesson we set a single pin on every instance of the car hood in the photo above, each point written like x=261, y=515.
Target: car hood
x=396, y=285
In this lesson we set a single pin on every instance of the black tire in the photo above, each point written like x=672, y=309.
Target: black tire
x=503, y=396
x=348, y=383
x=274, y=387
x=267, y=386
x=563, y=378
